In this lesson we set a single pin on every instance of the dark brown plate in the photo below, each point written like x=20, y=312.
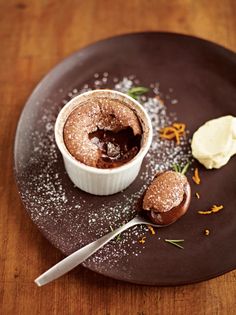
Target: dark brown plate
x=203, y=77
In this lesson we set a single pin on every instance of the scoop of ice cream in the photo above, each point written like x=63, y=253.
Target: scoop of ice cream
x=167, y=198
x=214, y=143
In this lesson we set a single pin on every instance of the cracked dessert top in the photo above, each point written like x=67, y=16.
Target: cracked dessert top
x=103, y=133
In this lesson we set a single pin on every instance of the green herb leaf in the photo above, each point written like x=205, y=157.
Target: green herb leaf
x=137, y=91
x=185, y=168
x=132, y=95
x=118, y=238
x=177, y=168
x=175, y=243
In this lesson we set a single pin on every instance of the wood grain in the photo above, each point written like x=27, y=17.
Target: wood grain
x=34, y=36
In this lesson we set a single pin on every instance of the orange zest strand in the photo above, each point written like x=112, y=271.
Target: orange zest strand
x=196, y=177
x=142, y=241
x=205, y=212
x=214, y=209
x=168, y=133
x=177, y=138
x=180, y=127
x=151, y=229
x=173, y=132
x=197, y=195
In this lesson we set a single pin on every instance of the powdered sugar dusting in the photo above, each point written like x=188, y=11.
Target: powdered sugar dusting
x=66, y=215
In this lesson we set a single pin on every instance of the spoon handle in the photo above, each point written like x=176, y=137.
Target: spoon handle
x=80, y=255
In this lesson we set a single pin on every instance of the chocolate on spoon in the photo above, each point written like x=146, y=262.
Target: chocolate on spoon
x=167, y=198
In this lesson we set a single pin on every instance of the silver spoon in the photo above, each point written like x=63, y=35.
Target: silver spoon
x=85, y=252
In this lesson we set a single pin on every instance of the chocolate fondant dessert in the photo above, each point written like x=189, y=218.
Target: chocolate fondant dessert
x=167, y=198
x=103, y=133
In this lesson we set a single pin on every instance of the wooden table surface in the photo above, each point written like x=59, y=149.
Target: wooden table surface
x=35, y=36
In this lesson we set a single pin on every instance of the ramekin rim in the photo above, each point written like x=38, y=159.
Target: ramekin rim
x=65, y=153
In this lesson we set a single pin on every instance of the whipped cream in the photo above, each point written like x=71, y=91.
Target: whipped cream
x=214, y=143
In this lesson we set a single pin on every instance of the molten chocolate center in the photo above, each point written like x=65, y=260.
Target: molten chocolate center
x=116, y=148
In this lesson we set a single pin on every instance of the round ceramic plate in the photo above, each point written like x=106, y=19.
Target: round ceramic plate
x=196, y=80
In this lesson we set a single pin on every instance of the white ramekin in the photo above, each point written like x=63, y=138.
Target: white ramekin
x=99, y=181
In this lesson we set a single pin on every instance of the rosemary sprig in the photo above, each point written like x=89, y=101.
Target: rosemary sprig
x=177, y=168
x=175, y=243
x=185, y=168
x=118, y=237
x=137, y=91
